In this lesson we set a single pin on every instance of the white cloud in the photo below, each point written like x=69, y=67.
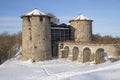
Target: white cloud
x=10, y=21
x=10, y=24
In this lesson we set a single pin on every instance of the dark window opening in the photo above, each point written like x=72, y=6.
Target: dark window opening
x=41, y=18
x=29, y=19
x=29, y=28
x=30, y=37
x=35, y=47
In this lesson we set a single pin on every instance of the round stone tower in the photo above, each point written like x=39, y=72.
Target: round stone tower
x=36, y=36
x=81, y=26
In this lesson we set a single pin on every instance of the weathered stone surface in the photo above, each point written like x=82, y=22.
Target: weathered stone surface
x=90, y=52
x=82, y=30
x=36, y=39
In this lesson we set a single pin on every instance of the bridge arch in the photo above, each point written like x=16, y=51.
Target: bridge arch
x=75, y=53
x=86, y=54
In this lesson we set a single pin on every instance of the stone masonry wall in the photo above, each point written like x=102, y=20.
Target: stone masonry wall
x=36, y=38
x=96, y=51
x=82, y=30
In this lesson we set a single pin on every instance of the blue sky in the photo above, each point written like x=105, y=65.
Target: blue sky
x=105, y=13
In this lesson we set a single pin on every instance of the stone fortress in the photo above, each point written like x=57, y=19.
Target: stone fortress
x=37, y=40
x=36, y=36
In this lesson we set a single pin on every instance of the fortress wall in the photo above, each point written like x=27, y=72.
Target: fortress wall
x=110, y=49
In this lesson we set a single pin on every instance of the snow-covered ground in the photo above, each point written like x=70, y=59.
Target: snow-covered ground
x=58, y=69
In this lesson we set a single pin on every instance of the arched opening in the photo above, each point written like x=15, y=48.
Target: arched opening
x=86, y=55
x=75, y=53
x=99, y=56
x=65, y=52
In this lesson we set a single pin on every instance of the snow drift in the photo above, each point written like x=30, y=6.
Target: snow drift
x=58, y=69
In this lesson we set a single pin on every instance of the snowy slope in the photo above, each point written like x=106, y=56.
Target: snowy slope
x=58, y=69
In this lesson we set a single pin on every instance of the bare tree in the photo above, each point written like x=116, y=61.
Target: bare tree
x=53, y=19
x=8, y=45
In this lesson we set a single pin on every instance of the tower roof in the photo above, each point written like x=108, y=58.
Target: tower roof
x=80, y=17
x=35, y=12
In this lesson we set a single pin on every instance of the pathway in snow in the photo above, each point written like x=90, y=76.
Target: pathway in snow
x=68, y=74
x=58, y=69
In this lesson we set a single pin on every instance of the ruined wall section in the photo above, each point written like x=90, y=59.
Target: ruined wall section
x=96, y=55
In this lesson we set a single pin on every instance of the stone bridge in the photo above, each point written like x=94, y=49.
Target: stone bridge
x=83, y=52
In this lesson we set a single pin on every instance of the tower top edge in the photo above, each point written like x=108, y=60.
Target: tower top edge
x=35, y=12
x=81, y=20
x=80, y=17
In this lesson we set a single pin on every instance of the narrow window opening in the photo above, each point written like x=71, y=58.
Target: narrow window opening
x=29, y=19
x=30, y=37
x=29, y=28
x=35, y=47
x=41, y=18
